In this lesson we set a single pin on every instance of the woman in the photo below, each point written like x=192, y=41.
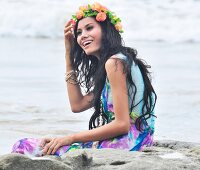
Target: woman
x=117, y=85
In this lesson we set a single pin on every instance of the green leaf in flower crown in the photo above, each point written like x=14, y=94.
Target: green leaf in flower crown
x=118, y=20
x=113, y=21
x=74, y=18
x=109, y=14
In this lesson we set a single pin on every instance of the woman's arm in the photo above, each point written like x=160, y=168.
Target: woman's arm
x=119, y=126
x=78, y=101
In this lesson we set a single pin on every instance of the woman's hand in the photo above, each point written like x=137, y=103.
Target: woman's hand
x=68, y=36
x=51, y=145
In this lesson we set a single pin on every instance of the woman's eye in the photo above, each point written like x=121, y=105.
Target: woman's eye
x=89, y=28
x=78, y=33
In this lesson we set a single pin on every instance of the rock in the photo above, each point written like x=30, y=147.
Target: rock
x=163, y=155
x=21, y=162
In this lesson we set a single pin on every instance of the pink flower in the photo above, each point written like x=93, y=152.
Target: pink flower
x=73, y=22
x=79, y=14
x=101, y=16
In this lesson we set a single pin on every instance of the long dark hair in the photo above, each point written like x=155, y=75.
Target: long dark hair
x=92, y=73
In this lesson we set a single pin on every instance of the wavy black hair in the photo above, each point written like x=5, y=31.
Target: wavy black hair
x=92, y=74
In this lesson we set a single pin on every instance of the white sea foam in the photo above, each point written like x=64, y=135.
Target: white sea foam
x=175, y=155
x=169, y=20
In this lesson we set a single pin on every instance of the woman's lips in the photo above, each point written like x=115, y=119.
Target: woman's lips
x=86, y=43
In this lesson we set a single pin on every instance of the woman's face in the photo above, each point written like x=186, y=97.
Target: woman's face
x=89, y=35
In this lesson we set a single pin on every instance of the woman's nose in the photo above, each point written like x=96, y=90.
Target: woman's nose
x=84, y=35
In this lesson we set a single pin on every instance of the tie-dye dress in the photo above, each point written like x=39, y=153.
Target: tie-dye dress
x=133, y=141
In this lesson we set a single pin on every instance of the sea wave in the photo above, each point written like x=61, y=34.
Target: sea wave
x=152, y=20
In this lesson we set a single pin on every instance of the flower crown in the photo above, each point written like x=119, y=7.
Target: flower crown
x=101, y=13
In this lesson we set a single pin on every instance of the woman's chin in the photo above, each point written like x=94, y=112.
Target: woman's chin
x=96, y=54
x=89, y=53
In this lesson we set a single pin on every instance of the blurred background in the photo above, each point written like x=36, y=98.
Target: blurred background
x=33, y=95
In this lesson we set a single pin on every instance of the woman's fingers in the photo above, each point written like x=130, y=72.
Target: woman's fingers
x=68, y=30
x=57, y=146
x=68, y=23
x=49, y=147
x=68, y=34
x=44, y=141
x=52, y=146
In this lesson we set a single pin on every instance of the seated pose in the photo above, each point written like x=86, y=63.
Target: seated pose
x=117, y=85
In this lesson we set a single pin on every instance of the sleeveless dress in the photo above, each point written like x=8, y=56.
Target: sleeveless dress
x=133, y=141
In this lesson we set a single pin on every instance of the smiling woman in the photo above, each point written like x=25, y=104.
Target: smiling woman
x=117, y=85
x=89, y=35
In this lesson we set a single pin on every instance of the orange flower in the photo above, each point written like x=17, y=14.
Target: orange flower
x=101, y=16
x=79, y=14
x=96, y=7
x=104, y=9
x=83, y=8
x=118, y=26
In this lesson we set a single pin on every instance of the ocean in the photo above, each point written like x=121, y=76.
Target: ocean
x=33, y=95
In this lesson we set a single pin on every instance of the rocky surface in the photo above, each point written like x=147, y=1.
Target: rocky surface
x=163, y=155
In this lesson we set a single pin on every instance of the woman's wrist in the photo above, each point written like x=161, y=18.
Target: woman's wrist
x=71, y=77
x=72, y=137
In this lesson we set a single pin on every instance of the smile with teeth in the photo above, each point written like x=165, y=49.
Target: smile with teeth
x=86, y=43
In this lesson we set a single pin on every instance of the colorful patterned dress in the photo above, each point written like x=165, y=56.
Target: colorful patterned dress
x=133, y=141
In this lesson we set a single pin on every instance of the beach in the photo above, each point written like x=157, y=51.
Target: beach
x=33, y=94
x=34, y=99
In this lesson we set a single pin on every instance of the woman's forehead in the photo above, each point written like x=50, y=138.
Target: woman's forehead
x=85, y=21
